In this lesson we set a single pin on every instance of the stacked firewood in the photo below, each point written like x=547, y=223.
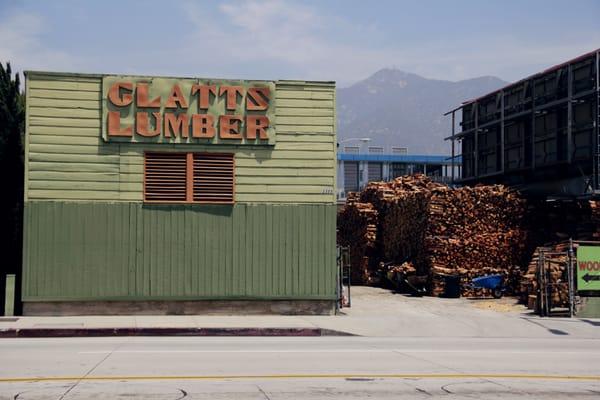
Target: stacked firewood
x=555, y=264
x=553, y=223
x=481, y=209
x=470, y=256
x=476, y=231
x=442, y=231
x=357, y=228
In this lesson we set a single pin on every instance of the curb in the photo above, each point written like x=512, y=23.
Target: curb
x=106, y=332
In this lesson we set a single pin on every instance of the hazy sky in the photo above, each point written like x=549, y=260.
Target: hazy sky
x=345, y=41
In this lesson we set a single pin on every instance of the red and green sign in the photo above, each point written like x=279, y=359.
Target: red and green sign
x=588, y=268
x=188, y=111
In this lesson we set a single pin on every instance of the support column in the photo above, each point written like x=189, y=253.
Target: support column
x=341, y=185
x=452, y=159
x=364, y=168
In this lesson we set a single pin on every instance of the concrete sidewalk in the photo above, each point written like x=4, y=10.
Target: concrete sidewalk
x=167, y=325
x=375, y=312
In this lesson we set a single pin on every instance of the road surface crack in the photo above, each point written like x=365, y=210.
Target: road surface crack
x=446, y=390
x=183, y=392
x=423, y=391
x=89, y=372
x=263, y=393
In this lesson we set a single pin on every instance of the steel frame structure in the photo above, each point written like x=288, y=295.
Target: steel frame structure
x=544, y=154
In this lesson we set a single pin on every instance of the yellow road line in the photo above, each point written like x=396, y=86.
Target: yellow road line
x=306, y=376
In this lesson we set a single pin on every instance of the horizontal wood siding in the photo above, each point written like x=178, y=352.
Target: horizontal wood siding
x=67, y=159
x=131, y=251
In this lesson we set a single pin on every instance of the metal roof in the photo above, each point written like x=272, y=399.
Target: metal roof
x=400, y=158
x=547, y=70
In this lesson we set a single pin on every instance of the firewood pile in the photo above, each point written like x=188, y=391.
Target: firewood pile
x=439, y=231
x=357, y=228
x=555, y=260
x=552, y=225
x=473, y=256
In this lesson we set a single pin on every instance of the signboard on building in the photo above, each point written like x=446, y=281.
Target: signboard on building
x=187, y=111
x=588, y=270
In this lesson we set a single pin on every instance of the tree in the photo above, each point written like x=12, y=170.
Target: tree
x=12, y=122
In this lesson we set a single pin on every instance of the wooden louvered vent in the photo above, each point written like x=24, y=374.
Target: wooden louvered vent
x=213, y=178
x=189, y=178
x=165, y=177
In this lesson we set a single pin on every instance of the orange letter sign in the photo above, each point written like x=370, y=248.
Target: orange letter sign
x=203, y=126
x=115, y=97
x=257, y=99
x=142, y=124
x=114, y=125
x=178, y=124
x=141, y=99
x=176, y=97
x=256, y=125
x=231, y=92
x=229, y=127
x=204, y=97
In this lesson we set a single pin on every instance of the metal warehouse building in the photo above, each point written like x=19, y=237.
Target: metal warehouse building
x=540, y=133
x=178, y=195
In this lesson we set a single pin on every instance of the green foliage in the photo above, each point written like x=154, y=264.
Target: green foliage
x=12, y=122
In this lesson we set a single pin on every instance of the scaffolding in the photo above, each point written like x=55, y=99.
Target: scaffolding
x=542, y=130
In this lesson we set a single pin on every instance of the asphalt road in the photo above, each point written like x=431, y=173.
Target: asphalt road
x=299, y=368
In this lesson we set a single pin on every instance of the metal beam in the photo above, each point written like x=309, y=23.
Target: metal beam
x=476, y=141
x=452, y=161
x=532, y=125
x=596, y=140
x=502, y=131
x=569, y=114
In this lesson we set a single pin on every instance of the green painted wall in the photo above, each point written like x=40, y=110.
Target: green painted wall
x=131, y=251
x=590, y=308
x=88, y=235
x=66, y=158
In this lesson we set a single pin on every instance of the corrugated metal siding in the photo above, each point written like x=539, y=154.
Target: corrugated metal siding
x=375, y=171
x=67, y=159
x=130, y=251
x=351, y=172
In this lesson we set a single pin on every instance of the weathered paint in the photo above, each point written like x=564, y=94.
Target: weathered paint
x=589, y=308
x=163, y=86
x=67, y=159
x=9, y=293
x=77, y=251
x=89, y=237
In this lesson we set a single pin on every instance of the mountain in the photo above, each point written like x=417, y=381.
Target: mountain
x=396, y=108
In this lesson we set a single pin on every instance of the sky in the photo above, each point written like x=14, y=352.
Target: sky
x=336, y=40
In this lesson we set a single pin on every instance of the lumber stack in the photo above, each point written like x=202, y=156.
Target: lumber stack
x=552, y=225
x=481, y=209
x=475, y=255
x=476, y=231
x=442, y=231
x=357, y=228
x=555, y=266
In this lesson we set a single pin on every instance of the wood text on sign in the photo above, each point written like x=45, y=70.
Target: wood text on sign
x=168, y=110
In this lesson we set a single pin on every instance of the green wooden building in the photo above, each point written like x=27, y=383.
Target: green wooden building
x=178, y=195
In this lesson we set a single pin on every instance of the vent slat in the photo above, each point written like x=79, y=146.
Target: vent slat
x=165, y=177
x=210, y=178
x=213, y=178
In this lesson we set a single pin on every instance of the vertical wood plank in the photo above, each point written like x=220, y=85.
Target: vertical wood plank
x=95, y=250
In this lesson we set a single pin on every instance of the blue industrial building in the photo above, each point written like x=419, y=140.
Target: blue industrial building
x=356, y=169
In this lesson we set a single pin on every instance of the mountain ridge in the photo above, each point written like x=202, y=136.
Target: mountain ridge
x=399, y=108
